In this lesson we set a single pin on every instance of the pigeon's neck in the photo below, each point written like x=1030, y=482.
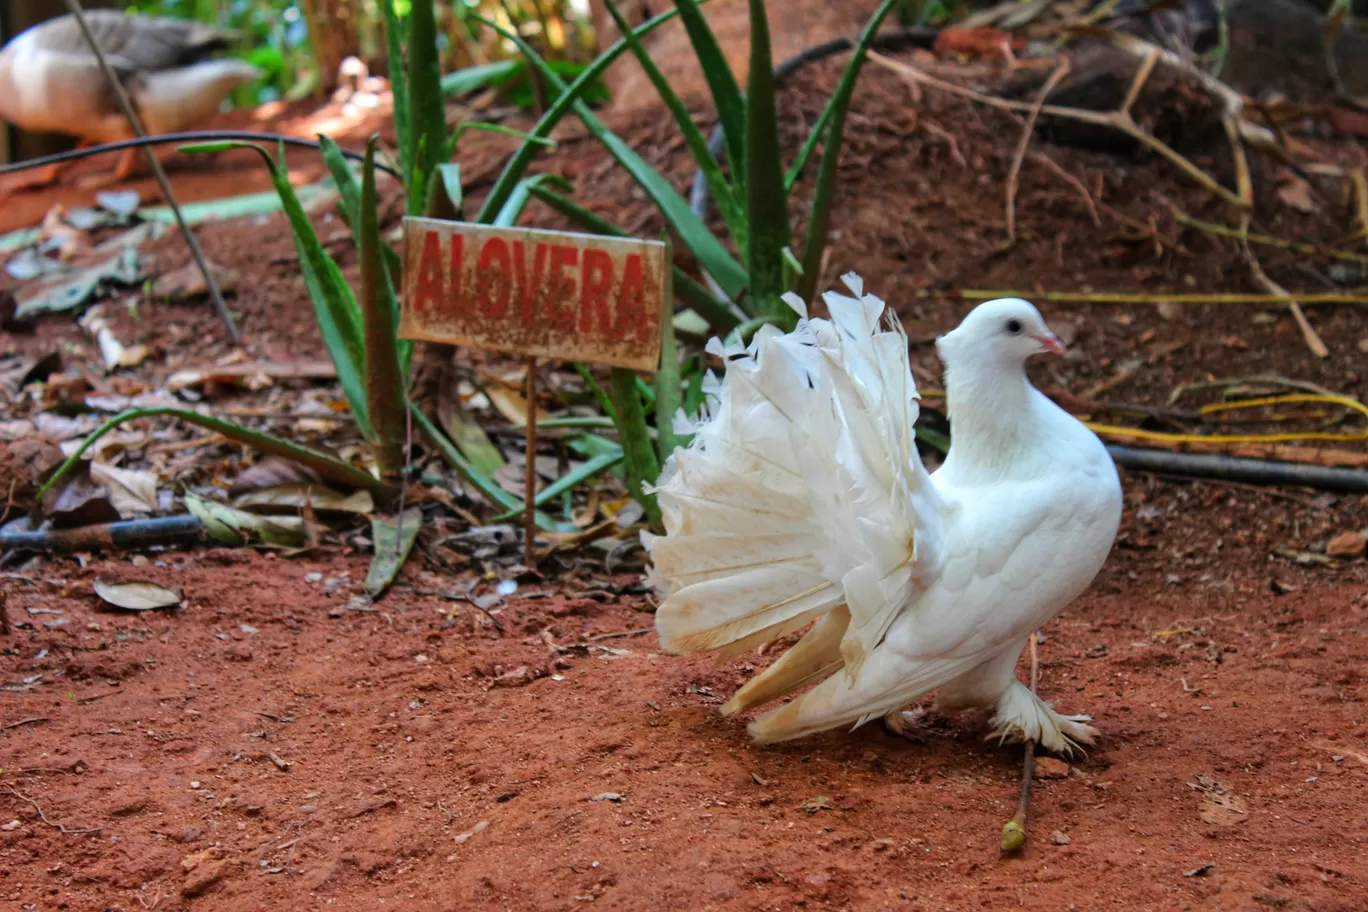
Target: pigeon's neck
x=993, y=415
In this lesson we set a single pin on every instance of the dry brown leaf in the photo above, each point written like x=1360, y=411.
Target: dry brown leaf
x=131, y=491
x=138, y=596
x=1295, y=192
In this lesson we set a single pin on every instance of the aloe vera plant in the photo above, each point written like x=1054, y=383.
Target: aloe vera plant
x=754, y=197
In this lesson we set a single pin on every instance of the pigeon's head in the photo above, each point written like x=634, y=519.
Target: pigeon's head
x=1006, y=331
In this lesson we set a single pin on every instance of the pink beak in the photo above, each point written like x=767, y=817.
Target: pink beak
x=1051, y=342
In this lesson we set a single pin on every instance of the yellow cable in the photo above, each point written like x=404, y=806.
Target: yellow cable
x=1113, y=430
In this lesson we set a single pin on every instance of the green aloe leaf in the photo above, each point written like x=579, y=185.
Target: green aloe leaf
x=380, y=312
x=568, y=482
x=726, y=94
x=643, y=467
x=766, y=200
x=722, y=193
x=517, y=165
x=398, y=76
x=517, y=201
x=427, y=116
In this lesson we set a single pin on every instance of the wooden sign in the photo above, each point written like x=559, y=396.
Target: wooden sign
x=552, y=294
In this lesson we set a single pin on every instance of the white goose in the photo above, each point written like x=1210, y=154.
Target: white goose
x=50, y=82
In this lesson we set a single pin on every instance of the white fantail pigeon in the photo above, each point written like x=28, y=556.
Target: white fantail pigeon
x=802, y=500
x=50, y=82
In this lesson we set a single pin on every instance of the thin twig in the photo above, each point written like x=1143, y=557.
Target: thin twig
x=1117, y=120
x=1142, y=76
x=1014, y=174
x=1014, y=831
x=43, y=817
x=622, y=633
x=30, y=721
x=215, y=293
x=1074, y=182
x=1313, y=339
x=1122, y=297
x=1265, y=240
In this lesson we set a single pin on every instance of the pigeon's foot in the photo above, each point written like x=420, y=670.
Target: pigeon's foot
x=126, y=169
x=34, y=179
x=909, y=724
x=1022, y=716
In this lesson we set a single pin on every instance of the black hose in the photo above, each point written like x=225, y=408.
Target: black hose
x=1234, y=468
x=128, y=535
x=193, y=136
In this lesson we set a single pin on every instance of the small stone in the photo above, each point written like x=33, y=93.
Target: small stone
x=312, y=578
x=478, y=828
x=11, y=826
x=1362, y=345
x=1059, y=838
x=1050, y=768
x=203, y=878
x=194, y=783
x=1347, y=545
x=607, y=796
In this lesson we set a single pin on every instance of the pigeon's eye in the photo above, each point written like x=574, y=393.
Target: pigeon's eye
x=1014, y=326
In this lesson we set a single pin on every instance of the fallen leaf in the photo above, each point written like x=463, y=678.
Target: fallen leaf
x=391, y=550
x=188, y=282
x=1295, y=192
x=813, y=805
x=607, y=796
x=124, y=268
x=119, y=202
x=296, y=496
x=253, y=375
x=271, y=472
x=478, y=828
x=131, y=491
x=79, y=501
x=138, y=596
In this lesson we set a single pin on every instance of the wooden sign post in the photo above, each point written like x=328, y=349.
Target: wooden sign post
x=547, y=294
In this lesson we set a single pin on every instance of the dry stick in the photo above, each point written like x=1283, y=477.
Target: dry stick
x=1126, y=297
x=1313, y=339
x=1014, y=831
x=1118, y=120
x=1072, y=181
x=1182, y=218
x=1015, y=172
x=530, y=478
x=215, y=293
x=43, y=817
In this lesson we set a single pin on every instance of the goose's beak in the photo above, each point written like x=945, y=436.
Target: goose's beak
x=1050, y=342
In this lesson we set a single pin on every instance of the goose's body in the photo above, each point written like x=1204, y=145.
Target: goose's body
x=50, y=82
x=803, y=499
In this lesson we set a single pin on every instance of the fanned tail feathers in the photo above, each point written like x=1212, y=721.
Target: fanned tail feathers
x=802, y=498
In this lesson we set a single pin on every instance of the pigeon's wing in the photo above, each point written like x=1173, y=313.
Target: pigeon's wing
x=801, y=497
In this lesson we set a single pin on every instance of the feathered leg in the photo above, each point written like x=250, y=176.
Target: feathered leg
x=1023, y=716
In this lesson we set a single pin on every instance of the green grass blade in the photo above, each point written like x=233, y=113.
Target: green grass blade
x=766, y=201
x=693, y=393
x=440, y=202
x=819, y=221
x=472, y=78
x=567, y=482
x=719, y=316
x=722, y=193
x=398, y=75
x=488, y=487
x=640, y=457
x=329, y=467
x=726, y=94
x=495, y=128
x=934, y=439
x=427, y=116
x=517, y=201
x=667, y=396
x=380, y=313
x=474, y=443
